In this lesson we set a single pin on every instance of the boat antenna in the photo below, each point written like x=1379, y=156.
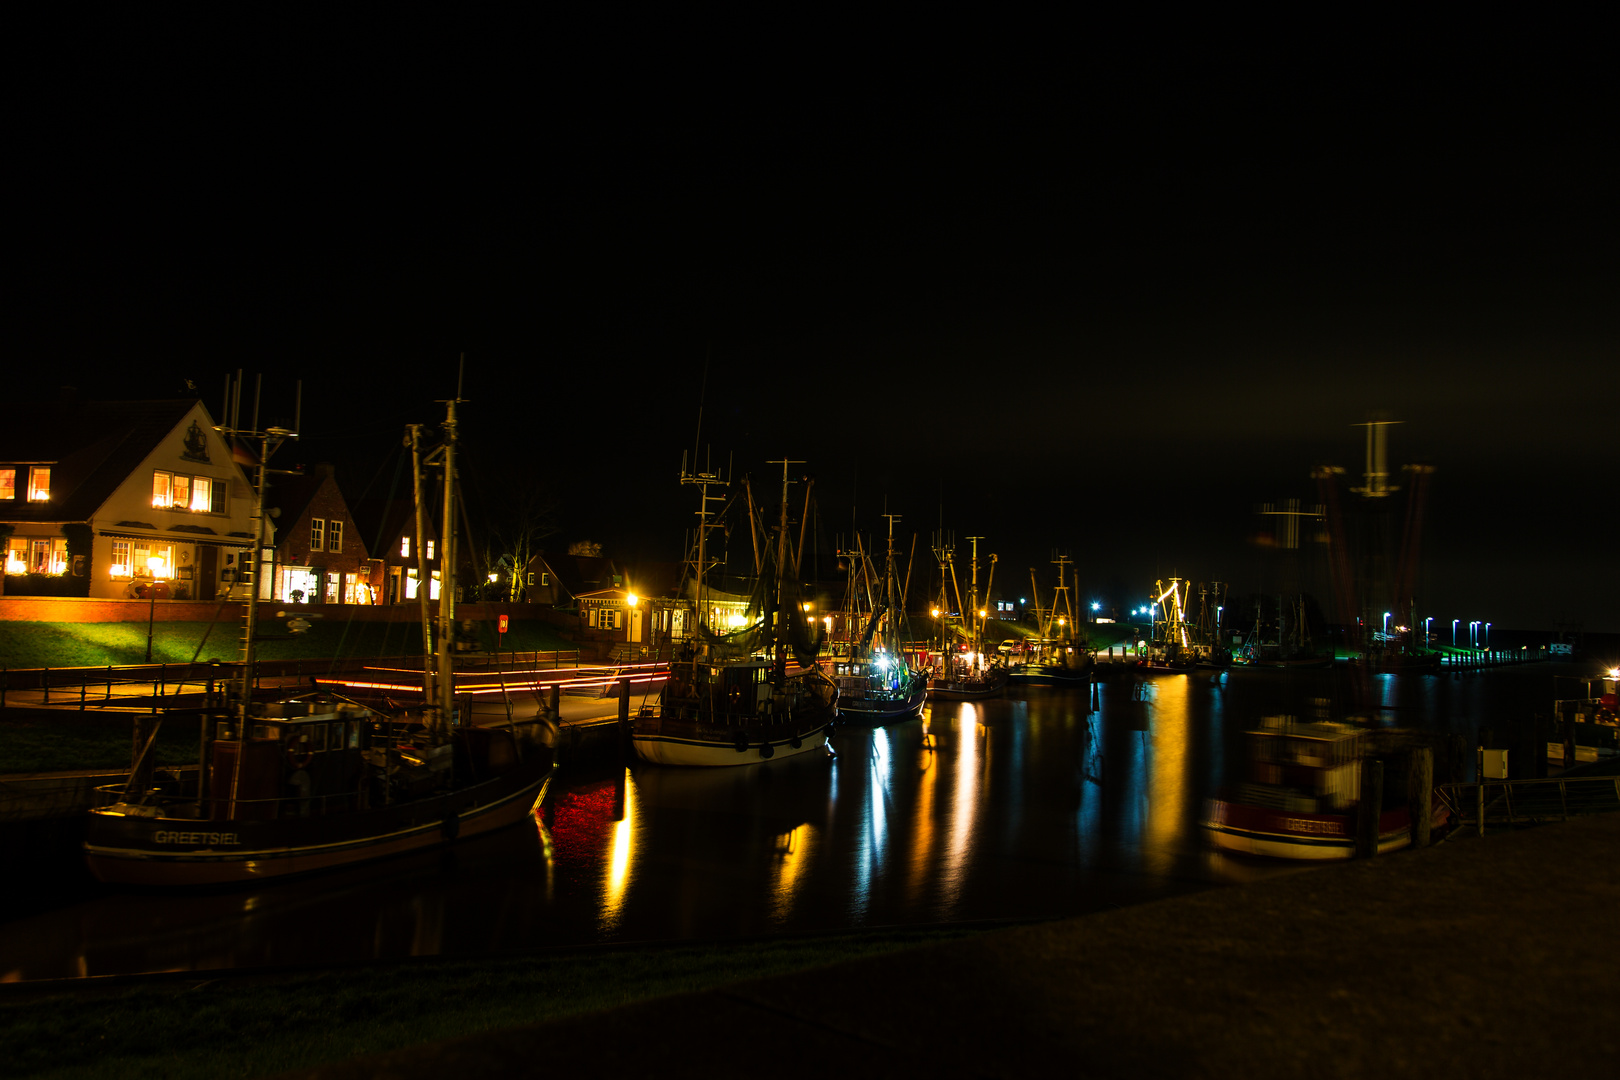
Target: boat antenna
x=703, y=391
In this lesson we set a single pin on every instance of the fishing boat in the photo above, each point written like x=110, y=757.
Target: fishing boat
x=317, y=781
x=1052, y=658
x=877, y=683
x=962, y=671
x=753, y=692
x=1302, y=798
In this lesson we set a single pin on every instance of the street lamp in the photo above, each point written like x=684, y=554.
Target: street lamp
x=1386, y=624
x=1454, y=623
x=154, y=565
x=1426, y=623
x=1487, y=637
x=632, y=599
x=1473, y=634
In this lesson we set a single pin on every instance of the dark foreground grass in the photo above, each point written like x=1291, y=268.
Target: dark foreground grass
x=73, y=742
x=243, y=1026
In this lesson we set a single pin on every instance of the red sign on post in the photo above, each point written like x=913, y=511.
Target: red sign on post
x=503, y=624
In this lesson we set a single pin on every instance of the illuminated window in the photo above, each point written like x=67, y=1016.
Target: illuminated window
x=334, y=536
x=545, y=578
x=39, y=483
x=433, y=585
x=122, y=559
x=162, y=484
x=8, y=483
x=531, y=579
x=202, y=490
x=317, y=534
x=16, y=555
x=182, y=493
x=430, y=550
x=58, y=558
x=404, y=547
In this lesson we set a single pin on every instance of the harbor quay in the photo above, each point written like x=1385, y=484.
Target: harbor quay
x=1483, y=958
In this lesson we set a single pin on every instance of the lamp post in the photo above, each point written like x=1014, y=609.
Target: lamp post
x=1473, y=634
x=1487, y=637
x=1426, y=623
x=1386, y=624
x=1454, y=623
x=155, y=565
x=630, y=624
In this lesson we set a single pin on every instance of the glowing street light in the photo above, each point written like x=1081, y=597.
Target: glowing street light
x=1386, y=624
x=630, y=624
x=157, y=567
x=1487, y=637
x=1454, y=623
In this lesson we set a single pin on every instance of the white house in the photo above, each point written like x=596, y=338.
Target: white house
x=124, y=494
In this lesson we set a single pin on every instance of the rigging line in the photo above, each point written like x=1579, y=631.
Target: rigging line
x=703, y=391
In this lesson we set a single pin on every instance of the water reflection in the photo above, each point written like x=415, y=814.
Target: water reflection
x=1023, y=807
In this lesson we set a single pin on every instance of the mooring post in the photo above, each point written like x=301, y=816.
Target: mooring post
x=1370, y=808
x=624, y=717
x=1479, y=790
x=556, y=702
x=1420, y=801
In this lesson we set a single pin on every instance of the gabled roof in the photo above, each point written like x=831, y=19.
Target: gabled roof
x=92, y=446
x=381, y=522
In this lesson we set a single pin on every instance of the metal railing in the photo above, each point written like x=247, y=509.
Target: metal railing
x=1530, y=802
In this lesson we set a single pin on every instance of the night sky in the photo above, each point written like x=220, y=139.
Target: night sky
x=1107, y=305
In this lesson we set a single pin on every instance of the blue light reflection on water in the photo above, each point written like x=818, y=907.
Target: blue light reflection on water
x=1023, y=807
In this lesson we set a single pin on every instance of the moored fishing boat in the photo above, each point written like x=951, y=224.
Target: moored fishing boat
x=876, y=681
x=317, y=781
x=753, y=693
x=1303, y=798
x=962, y=671
x=1052, y=658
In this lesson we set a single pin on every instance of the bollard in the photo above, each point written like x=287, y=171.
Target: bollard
x=109, y=684
x=47, y=678
x=84, y=688
x=1479, y=789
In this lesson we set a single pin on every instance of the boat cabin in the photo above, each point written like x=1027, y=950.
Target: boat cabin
x=1307, y=768
x=301, y=757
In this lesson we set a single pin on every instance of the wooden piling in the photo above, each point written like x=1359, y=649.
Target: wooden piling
x=625, y=746
x=1370, y=808
x=1420, y=794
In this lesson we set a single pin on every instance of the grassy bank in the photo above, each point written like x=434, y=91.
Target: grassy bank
x=266, y=1024
x=45, y=644
x=85, y=742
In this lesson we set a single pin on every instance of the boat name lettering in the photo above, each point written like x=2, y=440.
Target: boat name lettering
x=165, y=836
x=1306, y=825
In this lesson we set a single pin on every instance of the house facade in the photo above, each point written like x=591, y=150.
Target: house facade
x=321, y=557
x=123, y=499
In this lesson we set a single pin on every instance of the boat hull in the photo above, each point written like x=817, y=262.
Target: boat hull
x=1049, y=676
x=965, y=691
x=1280, y=834
x=862, y=710
x=183, y=852
x=700, y=751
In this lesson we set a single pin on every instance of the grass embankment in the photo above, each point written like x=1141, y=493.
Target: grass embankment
x=85, y=742
x=261, y=1025
x=46, y=644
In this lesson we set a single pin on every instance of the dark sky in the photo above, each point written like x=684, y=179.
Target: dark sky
x=1106, y=305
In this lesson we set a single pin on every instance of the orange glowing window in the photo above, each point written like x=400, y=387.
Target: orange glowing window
x=39, y=483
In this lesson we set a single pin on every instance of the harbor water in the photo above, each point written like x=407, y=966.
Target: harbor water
x=1042, y=804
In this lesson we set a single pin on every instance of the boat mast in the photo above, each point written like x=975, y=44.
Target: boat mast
x=447, y=573
x=700, y=568
x=973, y=598
x=430, y=691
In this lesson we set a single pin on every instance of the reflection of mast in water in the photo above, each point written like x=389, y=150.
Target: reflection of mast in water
x=922, y=819
x=964, y=804
x=792, y=852
x=621, y=865
x=1167, y=774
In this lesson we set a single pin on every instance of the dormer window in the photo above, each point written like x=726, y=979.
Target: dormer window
x=39, y=483
x=8, y=483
